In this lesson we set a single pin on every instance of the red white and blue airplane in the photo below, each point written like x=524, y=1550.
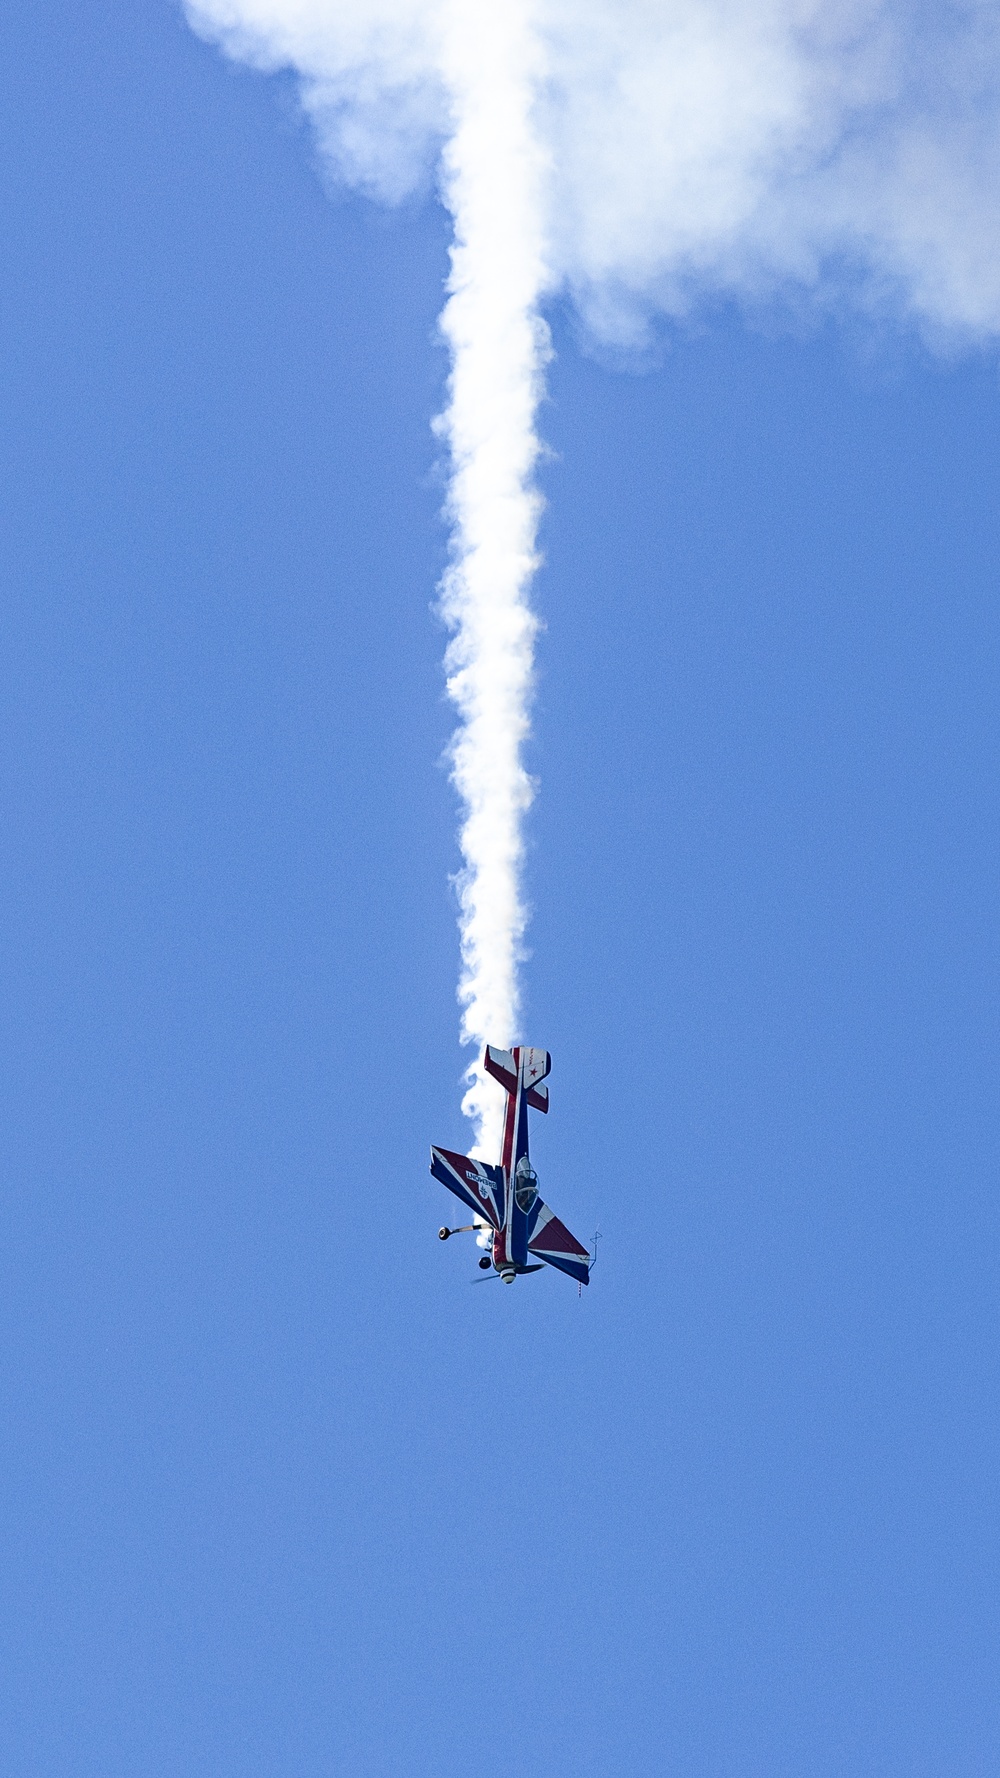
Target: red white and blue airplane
x=510, y=1217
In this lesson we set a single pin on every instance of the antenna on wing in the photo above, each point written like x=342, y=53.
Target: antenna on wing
x=595, y=1237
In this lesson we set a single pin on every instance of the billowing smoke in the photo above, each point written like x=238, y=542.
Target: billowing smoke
x=642, y=157
x=492, y=183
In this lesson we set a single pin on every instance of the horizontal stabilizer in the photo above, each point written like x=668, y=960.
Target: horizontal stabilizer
x=534, y=1065
x=502, y=1066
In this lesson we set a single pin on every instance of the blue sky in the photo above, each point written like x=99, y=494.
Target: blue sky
x=280, y=1496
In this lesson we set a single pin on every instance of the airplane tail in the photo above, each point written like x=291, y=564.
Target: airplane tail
x=527, y=1065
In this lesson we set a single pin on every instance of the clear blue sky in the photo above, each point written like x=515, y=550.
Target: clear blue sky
x=281, y=1496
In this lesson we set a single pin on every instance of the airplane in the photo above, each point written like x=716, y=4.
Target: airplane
x=510, y=1217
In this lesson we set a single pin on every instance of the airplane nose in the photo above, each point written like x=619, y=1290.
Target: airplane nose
x=507, y=1277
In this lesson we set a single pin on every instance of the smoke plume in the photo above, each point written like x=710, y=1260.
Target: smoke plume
x=492, y=184
x=641, y=157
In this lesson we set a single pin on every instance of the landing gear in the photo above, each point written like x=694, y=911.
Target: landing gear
x=485, y=1264
x=443, y=1234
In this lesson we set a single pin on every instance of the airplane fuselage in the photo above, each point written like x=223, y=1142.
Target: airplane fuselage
x=504, y=1198
x=510, y=1241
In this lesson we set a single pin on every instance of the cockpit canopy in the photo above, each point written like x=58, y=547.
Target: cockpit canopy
x=525, y=1184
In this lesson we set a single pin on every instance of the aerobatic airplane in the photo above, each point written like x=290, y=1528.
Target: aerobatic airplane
x=510, y=1217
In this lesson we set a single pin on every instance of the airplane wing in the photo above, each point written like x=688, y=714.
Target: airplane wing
x=551, y=1240
x=480, y=1187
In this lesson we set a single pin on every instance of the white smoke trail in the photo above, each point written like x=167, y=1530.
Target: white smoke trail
x=640, y=155
x=487, y=66
x=493, y=180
